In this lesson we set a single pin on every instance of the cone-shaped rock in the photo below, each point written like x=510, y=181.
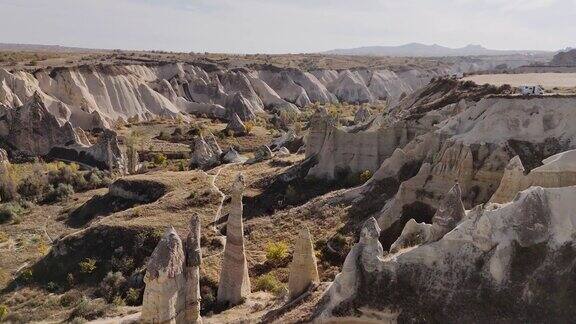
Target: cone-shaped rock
x=236, y=126
x=448, y=215
x=303, y=269
x=193, y=255
x=234, y=282
x=164, y=295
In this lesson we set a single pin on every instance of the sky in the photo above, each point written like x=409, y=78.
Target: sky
x=288, y=26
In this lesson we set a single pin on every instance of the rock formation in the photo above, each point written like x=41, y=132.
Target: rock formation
x=449, y=213
x=205, y=152
x=132, y=160
x=165, y=294
x=557, y=171
x=364, y=256
x=172, y=293
x=236, y=126
x=232, y=156
x=234, y=283
x=514, y=253
x=263, y=153
x=303, y=270
x=362, y=115
x=193, y=261
x=32, y=128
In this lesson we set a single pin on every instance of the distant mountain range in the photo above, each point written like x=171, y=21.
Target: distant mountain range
x=43, y=48
x=423, y=50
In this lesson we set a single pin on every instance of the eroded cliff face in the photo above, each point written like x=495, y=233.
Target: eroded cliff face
x=511, y=262
x=449, y=132
x=97, y=96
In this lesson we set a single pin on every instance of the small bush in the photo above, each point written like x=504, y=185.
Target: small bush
x=365, y=176
x=61, y=192
x=87, y=266
x=89, y=310
x=3, y=312
x=269, y=282
x=181, y=166
x=52, y=286
x=112, y=286
x=10, y=212
x=27, y=275
x=249, y=127
x=292, y=194
x=276, y=252
x=3, y=237
x=133, y=297
x=159, y=159
x=70, y=298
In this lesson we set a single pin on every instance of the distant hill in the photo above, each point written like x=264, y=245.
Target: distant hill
x=564, y=58
x=43, y=48
x=423, y=50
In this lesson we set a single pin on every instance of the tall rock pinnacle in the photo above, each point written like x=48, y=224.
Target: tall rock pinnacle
x=192, y=271
x=303, y=270
x=234, y=282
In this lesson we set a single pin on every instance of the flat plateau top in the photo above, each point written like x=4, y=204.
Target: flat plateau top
x=546, y=80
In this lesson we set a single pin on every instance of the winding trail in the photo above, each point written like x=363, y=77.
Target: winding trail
x=215, y=187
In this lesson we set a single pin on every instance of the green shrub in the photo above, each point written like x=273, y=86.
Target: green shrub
x=8, y=183
x=133, y=297
x=276, y=252
x=3, y=237
x=365, y=176
x=61, y=192
x=70, y=298
x=27, y=275
x=159, y=159
x=181, y=166
x=89, y=309
x=269, y=282
x=52, y=286
x=10, y=211
x=112, y=286
x=292, y=194
x=87, y=266
x=3, y=312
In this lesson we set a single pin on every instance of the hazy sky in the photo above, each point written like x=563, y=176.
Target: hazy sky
x=281, y=26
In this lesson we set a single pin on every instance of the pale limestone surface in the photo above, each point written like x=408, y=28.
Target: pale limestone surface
x=193, y=254
x=449, y=213
x=491, y=240
x=303, y=269
x=234, y=284
x=556, y=171
x=165, y=293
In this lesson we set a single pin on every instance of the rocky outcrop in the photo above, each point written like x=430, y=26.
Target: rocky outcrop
x=205, y=152
x=172, y=293
x=236, y=126
x=234, y=284
x=165, y=293
x=362, y=115
x=519, y=255
x=557, y=171
x=32, y=128
x=232, y=156
x=303, y=270
x=132, y=160
x=262, y=153
x=449, y=213
x=95, y=96
x=193, y=260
